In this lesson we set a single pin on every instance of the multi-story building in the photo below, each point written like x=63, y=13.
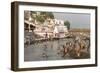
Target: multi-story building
x=60, y=30
x=50, y=28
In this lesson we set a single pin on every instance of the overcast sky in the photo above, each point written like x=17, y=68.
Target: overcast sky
x=76, y=20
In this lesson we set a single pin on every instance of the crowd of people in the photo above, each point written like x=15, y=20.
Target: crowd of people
x=75, y=48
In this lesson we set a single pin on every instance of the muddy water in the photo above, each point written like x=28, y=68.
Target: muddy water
x=48, y=50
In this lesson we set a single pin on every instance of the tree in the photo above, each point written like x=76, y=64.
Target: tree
x=42, y=16
x=50, y=15
x=40, y=19
x=67, y=23
x=47, y=15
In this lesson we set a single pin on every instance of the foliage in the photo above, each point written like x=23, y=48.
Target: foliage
x=40, y=19
x=42, y=16
x=67, y=23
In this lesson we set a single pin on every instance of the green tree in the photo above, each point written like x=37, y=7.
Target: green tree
x=50, y=15
x=42, y=16
x=33, y=14
x=40, y=19
x=67, y=23
x=47, y=15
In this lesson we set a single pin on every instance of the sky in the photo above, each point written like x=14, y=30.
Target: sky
x=77, y=20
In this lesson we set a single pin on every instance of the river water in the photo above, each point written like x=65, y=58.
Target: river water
x=49, y=50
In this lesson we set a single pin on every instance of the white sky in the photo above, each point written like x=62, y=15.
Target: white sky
x=76, y=20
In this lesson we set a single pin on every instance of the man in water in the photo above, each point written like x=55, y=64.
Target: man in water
x=65, y=50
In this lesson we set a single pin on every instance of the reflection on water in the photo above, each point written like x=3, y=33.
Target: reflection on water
x=66, y=48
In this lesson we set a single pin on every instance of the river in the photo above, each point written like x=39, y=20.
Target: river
x=50, y=50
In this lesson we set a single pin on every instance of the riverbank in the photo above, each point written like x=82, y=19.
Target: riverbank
x=34, y=40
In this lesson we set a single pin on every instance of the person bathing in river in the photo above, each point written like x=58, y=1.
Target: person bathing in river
x=45, y=47
x=77, y=49
x=65, y=49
